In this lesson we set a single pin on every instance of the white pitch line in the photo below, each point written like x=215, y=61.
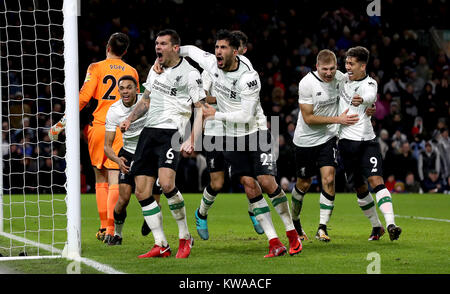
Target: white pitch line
x=89, y=262
x=425, y=218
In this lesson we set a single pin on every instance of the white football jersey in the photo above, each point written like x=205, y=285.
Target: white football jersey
x=172, y=94
x=367, y=89
x=230, y=88
x=212, y=127
x=325, y=100
x=116, y=114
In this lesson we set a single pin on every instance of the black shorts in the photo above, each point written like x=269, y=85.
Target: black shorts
x=129, y=179
x=154, y=150
x=361, y=160
x=251, y=155
x=214, y=158
x=308, y=160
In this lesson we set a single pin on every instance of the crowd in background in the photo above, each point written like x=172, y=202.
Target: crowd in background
x=412, y=109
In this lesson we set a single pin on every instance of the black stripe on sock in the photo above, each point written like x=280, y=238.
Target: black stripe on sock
x=277, y=192
x=379, y=188
x=362, y=195
x=328, y=196
x=256, y=199
x=147, y=201
x=211, y=191
x=171, y=193
x=120, y=217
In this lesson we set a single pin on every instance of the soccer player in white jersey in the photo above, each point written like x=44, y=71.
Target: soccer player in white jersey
x=315, y=138
x=358, y=146
x=118, y=112
x=236, y=87
x=214, y=134
x=168, y=99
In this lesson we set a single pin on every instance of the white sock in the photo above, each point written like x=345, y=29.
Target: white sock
x=206, y=202
x=262, y=214
x=296, y=203
x=178, y=210
x=384, y=200
x=326, y=207
x=153, y=217
x=281, y=205
x=369, y=209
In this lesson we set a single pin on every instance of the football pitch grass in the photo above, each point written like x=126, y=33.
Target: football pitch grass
x=235, y=248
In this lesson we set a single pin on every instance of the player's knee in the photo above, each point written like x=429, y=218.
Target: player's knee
x=166, y=187
x=375, y=181
x=268, y=183
x=217, y=184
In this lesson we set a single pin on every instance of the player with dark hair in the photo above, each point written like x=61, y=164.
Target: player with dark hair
x=101, y=84
x=213, y=132
x=358, y=147
x=236, y=87
x=117, y=113
x=167, y=102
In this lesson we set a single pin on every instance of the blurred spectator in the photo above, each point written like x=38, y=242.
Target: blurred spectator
x=417, y=145
x=404, y=162
x=383, y=140
x=433, y=183
x=428, y=161
x=399, y=187
x=444, y=151
x=397, y=140
x=390, y=183
x=411, y=185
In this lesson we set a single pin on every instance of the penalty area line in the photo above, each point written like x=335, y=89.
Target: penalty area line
x=424, y=218
x=106, y=269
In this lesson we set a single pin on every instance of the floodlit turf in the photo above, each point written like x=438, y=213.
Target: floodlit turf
x=235, y=248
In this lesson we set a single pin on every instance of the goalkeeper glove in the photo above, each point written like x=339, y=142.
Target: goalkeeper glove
x=57, y=128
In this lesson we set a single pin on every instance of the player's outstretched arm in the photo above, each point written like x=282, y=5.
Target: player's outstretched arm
x=307, y=112
x=57, y=128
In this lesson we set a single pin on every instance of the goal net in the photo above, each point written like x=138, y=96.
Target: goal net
x=39, y=199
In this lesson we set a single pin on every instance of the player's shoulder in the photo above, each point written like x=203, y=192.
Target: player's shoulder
x=369, y=82
x=245, y=62
x=309, y=78
x=339, y=76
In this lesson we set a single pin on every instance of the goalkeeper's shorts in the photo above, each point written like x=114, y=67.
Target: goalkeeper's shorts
x=96, y=143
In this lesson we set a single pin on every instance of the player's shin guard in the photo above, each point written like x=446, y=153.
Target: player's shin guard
x=297, y=202
x=262, y=214
x=101, y=196
x=113, y=196
x=178, y=210
x=281, y=205
x=384, y=200
x=326, y=207
x=153, y=217
x=209, y=196
x=119, y=221
x=369, y=209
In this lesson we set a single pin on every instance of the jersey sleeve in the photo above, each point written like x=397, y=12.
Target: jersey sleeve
x=89, y=86
x=110, y=121
x=369, y=93
x=305, y=92
x=250, y=85
x=205, y=60
x=195, y=86
x=150, y=79
x=207, y=81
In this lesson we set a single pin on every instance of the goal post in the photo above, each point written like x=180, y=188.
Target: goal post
x=40, y=209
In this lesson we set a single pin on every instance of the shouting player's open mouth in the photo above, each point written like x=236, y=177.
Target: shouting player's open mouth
x=219, y=61
x=159, y=56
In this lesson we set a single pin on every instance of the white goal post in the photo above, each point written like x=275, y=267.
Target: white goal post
x=40, y=209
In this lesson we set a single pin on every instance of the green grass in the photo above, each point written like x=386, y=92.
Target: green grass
x=234, y=247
